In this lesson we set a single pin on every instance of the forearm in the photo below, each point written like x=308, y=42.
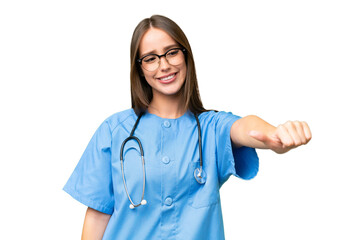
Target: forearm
x=241, y=128
x=94, y=225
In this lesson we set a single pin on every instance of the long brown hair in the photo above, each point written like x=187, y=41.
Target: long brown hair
x=141, y=92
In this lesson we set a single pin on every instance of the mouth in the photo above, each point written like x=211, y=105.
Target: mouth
x=167, y=78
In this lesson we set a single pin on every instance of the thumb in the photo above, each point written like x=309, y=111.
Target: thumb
x=272, y=140
x=258, y=136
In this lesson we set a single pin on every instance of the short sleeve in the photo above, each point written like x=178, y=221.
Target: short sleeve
x=241, y=162
x=91, y=181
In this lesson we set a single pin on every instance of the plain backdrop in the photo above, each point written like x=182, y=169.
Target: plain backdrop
x=64, y=68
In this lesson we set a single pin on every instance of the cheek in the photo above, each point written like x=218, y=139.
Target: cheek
x=149, y=78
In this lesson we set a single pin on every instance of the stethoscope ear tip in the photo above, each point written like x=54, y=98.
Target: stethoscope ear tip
x=199, y=174
x=143, y=202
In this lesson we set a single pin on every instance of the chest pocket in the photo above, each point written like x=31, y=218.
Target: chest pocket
x=202, y=195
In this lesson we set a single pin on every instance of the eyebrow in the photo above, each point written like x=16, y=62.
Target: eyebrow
x=164, y=49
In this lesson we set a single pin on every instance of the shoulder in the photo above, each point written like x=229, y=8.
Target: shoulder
x=118, y=118
x=216, y=116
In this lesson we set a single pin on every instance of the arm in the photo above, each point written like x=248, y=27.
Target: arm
x=252, y=131
x=94, y=225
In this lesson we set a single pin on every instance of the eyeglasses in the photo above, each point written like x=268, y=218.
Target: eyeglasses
x=151, y=62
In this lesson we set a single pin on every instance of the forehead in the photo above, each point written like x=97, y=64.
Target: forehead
x=155, y=40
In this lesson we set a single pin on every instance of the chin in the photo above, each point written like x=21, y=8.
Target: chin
x=169, y=92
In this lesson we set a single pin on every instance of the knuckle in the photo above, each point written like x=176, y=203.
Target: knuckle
x=288, y=143
x=297, y=142
x=297, y=124
x=304, y=125
x=281, y=127
x=290, y=125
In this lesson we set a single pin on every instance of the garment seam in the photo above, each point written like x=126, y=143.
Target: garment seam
x=117, y=125
x=106, y=207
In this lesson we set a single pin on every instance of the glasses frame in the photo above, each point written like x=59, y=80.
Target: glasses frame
x=160, y=56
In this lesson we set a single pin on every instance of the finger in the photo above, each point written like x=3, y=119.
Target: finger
x=300, y=130
x=307, y=131
x=293, y=133
x=284, y=136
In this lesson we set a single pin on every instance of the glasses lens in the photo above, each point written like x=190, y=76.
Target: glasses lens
x=150, y=62
x=175, y=57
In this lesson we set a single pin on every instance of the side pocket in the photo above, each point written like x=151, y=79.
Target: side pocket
x=202, y=195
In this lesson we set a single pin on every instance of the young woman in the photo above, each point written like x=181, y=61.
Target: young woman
x=154, y=171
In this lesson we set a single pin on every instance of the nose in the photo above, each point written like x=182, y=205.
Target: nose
x=164, y=64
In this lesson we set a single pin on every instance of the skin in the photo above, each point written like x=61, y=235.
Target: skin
x=165, y=102
x=250, y=131
x=94, y=225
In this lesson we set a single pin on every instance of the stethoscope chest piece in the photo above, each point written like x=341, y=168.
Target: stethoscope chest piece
x=199, y=173
x=200, y=176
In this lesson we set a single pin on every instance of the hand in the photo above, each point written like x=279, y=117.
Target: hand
x=285, y=137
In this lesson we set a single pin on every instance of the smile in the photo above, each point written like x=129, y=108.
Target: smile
x=168, y=78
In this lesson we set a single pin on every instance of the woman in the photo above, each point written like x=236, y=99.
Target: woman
x=189, y=152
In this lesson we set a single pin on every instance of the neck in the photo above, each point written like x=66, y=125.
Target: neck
x=166, y=106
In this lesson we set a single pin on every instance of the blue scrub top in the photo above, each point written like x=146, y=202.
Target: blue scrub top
x=178, y=207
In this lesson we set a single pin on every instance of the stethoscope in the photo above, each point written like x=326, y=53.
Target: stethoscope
x=199, y=174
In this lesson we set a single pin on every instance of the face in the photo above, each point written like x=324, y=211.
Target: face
x=167, y=79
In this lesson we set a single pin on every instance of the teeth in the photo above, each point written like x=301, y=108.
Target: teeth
x=167, y=78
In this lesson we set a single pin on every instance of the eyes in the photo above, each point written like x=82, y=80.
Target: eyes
x=151, y=58
x=173, y=52
x=174, y=56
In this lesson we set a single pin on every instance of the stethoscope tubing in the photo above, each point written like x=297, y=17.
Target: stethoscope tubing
x=199, y=174
x=123, y=175
x=200, y=146
x=133, y=205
